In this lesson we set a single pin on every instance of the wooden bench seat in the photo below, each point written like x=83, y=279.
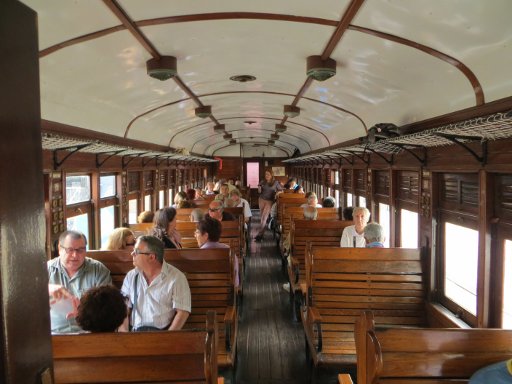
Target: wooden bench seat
x=424, y=355
x=149, y=357
x=342, y=282
x=210, y=276
x=317, y=233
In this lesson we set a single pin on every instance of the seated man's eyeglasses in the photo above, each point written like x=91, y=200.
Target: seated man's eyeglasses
x=139, y=252
x=214, y=209
x=70, y=250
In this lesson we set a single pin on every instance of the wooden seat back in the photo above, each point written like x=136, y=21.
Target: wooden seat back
x=288, y=200
x=140, y=229
x=297, y=213
x=342, y=282
x=149, y=357
x=425, y=355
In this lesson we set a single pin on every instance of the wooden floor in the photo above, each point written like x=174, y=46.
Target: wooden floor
x=271, y=346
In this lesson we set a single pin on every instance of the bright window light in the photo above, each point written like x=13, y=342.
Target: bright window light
x=385, y=221
x=79, y=223
x=107, y=223
x=506, y=315
x=349, y=199
x=408, y=229
x=132, y=211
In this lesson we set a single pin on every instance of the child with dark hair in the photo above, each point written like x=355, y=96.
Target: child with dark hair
x=102, y=309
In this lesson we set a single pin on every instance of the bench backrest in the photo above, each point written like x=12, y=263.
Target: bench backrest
x=318, y=233
x=297, y=213
x=140, y=229
x=344, y=281
x=425, y=355
x=149, y=357
x=288, y=200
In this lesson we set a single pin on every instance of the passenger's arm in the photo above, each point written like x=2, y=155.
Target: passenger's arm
x=179, y=320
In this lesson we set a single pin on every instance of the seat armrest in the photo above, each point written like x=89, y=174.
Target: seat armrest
x=229, y=326
x=344, y=378
x=314, y=316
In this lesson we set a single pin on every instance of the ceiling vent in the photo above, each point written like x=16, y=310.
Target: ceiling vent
x=204, y=111
x=162, y=69
x=271, y=142
x=227, y=136
x=319, y=69
x=274, y=136
x=219, y=128
x=280, y=127
x=232, y=141
x=291, y=111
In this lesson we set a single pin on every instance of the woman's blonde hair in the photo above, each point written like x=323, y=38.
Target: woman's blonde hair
x=117, y=239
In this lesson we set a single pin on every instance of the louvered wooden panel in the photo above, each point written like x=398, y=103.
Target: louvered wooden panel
x=347, y=179
x=381, y=183
x=172, y=177
x=149, y=179
x=163, y=176
x=503, y=188
x=459, y=192
x=408, y=186
x=360, y=181
x=133, y=181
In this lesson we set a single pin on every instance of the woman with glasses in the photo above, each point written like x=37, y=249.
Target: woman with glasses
x=120, y=238
x=165, y=227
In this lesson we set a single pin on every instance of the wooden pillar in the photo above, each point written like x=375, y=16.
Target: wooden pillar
x=25, y=349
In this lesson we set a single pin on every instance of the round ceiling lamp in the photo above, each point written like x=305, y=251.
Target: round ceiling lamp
x=162, y=69
x=291, y=111
x=319, y=69
x=204, y=111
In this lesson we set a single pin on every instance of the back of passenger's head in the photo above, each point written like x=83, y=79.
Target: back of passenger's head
x=75, y=235
x=179, y=197
x=154, y=245
x=347, y=213
x=163, y=217
x=101, y=309
x=212, y=227
x=328, y=202
x=191, y=194
x=120, y=238
x=310, y=213
x=185, y=204
x=363, y=210
x=374, y=232
x=145, y=217
x=197, y=214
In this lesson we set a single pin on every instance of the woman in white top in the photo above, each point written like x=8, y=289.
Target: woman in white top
x=312, y=201
x=353, y=235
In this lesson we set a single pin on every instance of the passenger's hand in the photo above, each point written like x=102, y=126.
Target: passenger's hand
x=59, y=293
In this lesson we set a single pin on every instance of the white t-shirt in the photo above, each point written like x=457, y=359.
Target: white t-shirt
x=348, y=236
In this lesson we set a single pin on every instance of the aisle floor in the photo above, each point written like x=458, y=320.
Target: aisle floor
x=271, y=346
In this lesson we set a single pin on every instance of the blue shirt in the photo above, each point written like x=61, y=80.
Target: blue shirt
x=499, y=373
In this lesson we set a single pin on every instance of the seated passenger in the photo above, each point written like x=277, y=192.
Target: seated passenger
x=328, y=202
x=236, y=200
x=209, y=188
x=159, y=294
x=216, y=211
x=208, y=235
x=165, y=227
x=353, y=235
x=102, y=309
x=198, y=195
x=196, y=215
x=180, y=196
x=74, y=272
x=120, y=238
x=292, y=185
x=145, y=217
x=347, y=213
x=310, y=213
x=499, y=373
x=312, y=201
x=374, y=235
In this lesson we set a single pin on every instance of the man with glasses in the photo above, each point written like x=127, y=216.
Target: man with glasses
x=216, y=211
x=159, y=295
x=76, y=274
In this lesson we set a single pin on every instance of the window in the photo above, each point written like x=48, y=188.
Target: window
x=408, y=229
x=78, y=189
x=460, y=265
x=385, y=221
x=506, y=312
x=337, y=198
x=79, y=223
x=132, y=211
x=107, y=223
x=253, y=174
x=107, y=186
x=170, y=195
x=362, y=201
x=161, y=199
x=147, y=203
x=349, y=199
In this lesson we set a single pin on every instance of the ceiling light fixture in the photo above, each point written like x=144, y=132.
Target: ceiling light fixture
x=162, y=69
x=274, y=136
x=319, y=69
x=280, y=127
x=227, y=136
x=291, y=111
x=204, y=111
x=233, y=141
x=219, y=128
x=271, y=142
